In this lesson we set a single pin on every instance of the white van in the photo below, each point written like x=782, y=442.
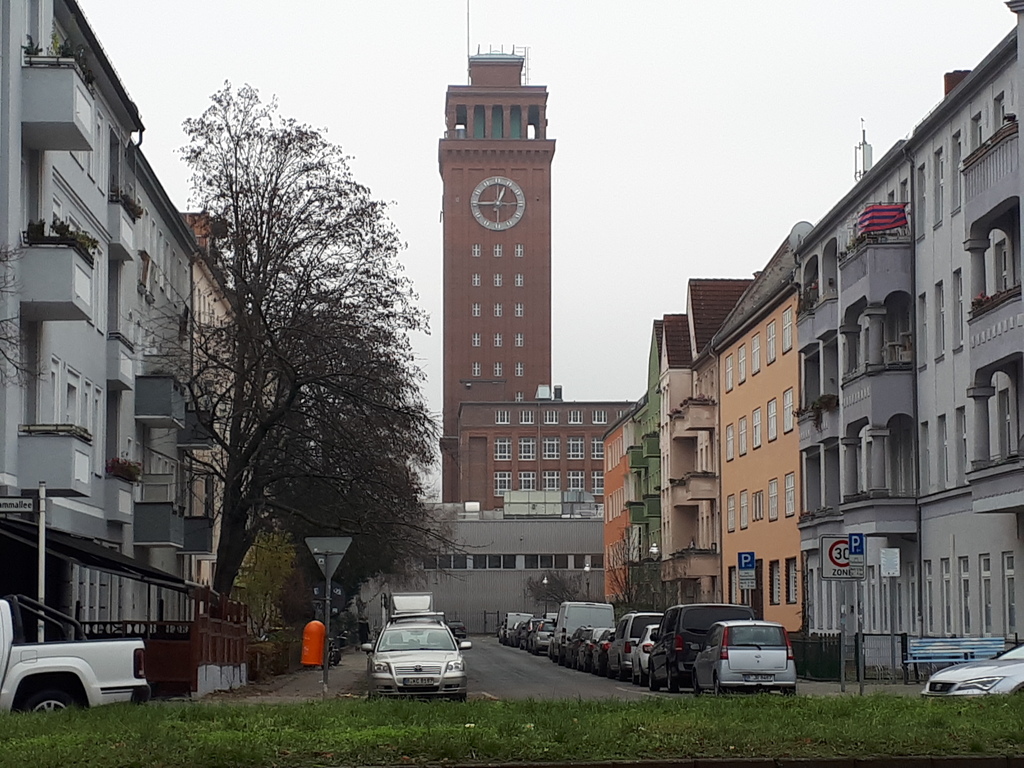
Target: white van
x=572, y=616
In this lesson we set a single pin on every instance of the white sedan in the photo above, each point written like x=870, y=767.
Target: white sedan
x=1003, y=674
x=421, y=659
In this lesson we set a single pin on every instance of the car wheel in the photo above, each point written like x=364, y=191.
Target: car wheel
x=696, y=684
x=671, y=681
x=716, y=686
x=622, y=672
x=459, y=697
x=652, y=681
x=612, y=673
x=634, y=678
x=50, y=700
x=789, y=691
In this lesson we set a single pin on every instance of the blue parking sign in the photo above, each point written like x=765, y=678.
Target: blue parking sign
x=856, y=544
x=747, y=561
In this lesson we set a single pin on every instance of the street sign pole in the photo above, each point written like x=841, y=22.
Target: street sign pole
x=328, y=552
x=41, y=562
x=843, y=615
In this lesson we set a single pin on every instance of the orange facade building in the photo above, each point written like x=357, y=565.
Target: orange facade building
x=760, y=443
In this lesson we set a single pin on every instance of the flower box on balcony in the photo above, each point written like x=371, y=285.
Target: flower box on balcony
x=126, y=469
x=983, y=303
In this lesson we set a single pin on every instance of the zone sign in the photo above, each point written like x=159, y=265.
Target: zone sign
x=835, y=560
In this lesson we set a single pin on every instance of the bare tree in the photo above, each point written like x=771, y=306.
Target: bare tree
x=310, y=390
x=559, y=588
x=15, y=364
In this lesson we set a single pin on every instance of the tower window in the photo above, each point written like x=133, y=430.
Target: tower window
x=476, y=310
x=515, y=116
x=476, y=369
x=497, y=122
x=519, y=369
x=519, y=310
x=497, y=250
x=533, y=118
x=476, y=279
x=519, y=280
x=519, y=339
x=478, y=122
x=476, y=339
x=519, y=250
x=497, y=310
x=460, y=121
x=497, y=339
x=497, y=370
x=476, y=250
x=497, y=280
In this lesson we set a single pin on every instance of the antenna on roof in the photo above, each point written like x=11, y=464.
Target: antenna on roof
x=468, y=81
x=861, y=154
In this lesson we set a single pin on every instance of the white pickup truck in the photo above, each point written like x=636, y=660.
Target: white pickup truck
x=65, y=672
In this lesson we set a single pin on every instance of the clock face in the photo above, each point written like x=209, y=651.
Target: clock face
x=497, y=203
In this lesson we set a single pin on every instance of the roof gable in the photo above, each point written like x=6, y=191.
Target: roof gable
x=709, y=302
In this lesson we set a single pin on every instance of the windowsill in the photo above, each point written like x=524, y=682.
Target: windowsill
x=940, y=358
x=958, y=348
x=955, y=211
x=922, y=367
x=937, y=225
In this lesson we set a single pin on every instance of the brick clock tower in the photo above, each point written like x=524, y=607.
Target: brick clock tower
x=495, y=163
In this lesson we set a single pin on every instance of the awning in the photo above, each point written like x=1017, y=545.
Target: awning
x=86, y=552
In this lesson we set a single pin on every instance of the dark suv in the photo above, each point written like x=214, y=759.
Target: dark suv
x=680, y=635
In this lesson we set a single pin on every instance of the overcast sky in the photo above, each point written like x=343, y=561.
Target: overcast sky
x=691, y=134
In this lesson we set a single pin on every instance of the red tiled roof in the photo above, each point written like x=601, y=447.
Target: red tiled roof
x=677, y=341
x=710, y=301
x=657, y=335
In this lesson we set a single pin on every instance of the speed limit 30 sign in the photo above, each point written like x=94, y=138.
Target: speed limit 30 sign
x=836, y=559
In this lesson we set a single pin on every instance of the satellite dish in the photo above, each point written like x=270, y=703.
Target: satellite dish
x=797, y=234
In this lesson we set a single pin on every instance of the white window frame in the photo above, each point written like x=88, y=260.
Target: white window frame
x=773, y=419
x=475, y=279
x=755, y=421
x=787, y=411
x=755, y=354
x=728, y=373
x=498, y=370
x=526, y=416
x=575, y=417
x=550, y=417
x=744, y=510
x=575, y=480
x=475, y=310
x=770, y=343
x=599, y=417
x=475, y=369
x=757, y=506
x=475, y=340
x=552, y=480
x=773, y=499
x=730, y=506
x=741, y=436
x=730, y=444
x=741, y=364
x=476, y=250
x=787, y=329
x=596, y=448
x=552, y=448
x=519, y=339
x=498, y=340
x=528, y=481
x=519, y=250
x=501, y=416
x=597, y=482
x=519, y=280
x=497, y=250
x=498, y=280
x=503, y=449
x=498, y=311
x=575, y=449
x=502, y=482
x=527, y=449
x=520, y=310
x=519, y=369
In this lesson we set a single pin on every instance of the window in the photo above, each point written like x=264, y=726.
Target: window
x=977, y=131
x=791, y=580
x=596, y=448
x=743, y=435
x=497, y=339
x=985, y=572
x=497, y=310
x=502, y=483
x=741, y=364
x=575, y=417
x=527, y=448
x=790, y=494
x=787, y=329
x=961, y=445
x=550, y=417
x=476, y=279
x=574, y=448
x=526, y=417
x=503, y=449
x=943, y=457
x=926, y=458
x=519, y=369
x=965, y=595
x=940, y=320
x=501, y=417
x=773, y=499
x=497, y=370
x=757, y=504
x=476, y=369
x=552, y=449
x=497, y=280
x=927, y=601
x=575, y=480
x=519, y=250
x=729, y=450
x=597, y=482
x=946, y=600
x=787, y=411
x=954, y=188
x=476, y=250
x=519, y=310
x=476, y=339
x=770, y=342
x=734, y=596
x=476, y=310
x=958, y=309
x=756, y=423
x=775, y=577
x=755, y=354
x=1009, y=595
x=744, y=509
x=508, y=562
x=497, y=251
x=519, y=280
x=599, y=417
x=519, y=339
x=552, y=480
x=527, y=481
x=920, y=209
x=519, y=397
x=728, y=373
x=531, y=562
x=937, y=186
x=730, y=512
x=773, y=422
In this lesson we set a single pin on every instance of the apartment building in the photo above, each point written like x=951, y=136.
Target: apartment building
x=911, y=352
x=625, y=549
x=759, y=371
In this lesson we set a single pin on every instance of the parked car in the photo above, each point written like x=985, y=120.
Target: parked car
x=526, y=630
x=1003, y=674
x=627, y=633
x=745, y=656
x=680, y=635
x=539, y=637
x=506, y=631
x=417, y=660
x=458, y=629
x=640, y=651
x=599, y=654
x=571, y=616
x=573, y=645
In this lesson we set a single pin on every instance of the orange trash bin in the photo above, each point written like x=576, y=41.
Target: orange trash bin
x=313, y=644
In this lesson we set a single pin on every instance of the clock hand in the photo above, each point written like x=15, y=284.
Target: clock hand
x=501, y=194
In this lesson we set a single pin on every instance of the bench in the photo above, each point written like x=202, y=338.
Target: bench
x=948, y=650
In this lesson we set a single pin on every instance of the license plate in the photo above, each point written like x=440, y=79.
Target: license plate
x=419, y=681
x=759, y=678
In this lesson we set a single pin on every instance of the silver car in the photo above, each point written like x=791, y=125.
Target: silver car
x=639, y=653
x=745, y=656
x=417, y=660
x=1003, y=674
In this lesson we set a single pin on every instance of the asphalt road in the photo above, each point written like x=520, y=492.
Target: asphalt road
x=500, y=672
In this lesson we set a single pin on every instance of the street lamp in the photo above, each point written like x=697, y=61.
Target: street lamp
x=654, y=549
x=586, y=573
x=544, y=581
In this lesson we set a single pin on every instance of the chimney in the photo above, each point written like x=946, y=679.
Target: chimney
x=558, y=393
x=952, y=79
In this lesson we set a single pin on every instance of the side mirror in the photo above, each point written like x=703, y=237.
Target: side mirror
x=367, y=647
x=465, y=645
x=654, y=637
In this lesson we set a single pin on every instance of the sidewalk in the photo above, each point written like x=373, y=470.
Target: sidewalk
x=347, y=680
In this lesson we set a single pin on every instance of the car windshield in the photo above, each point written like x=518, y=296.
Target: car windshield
x=698, y=620
x=636, y=628
x=1015, y=654
x=760, y=636
x=412, y=639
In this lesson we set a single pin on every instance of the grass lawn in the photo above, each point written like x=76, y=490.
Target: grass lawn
x=379, y=733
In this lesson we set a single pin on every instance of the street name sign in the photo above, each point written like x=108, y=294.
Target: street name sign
x=17, y=505
x=836, y=562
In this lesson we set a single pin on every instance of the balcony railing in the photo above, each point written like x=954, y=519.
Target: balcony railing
x=991, y=162
x=56, y=105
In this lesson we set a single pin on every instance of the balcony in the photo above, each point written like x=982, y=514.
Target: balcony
x=817, y=426
x=195, y=436
x=818, y=319
x=693, y=416
x=56, y=281
x=694, y=487
x=59, y=455
x=198, y=536
x=995, y=329
x=876, y=515
x=691, y=564
x=652, y=505
x=651, y=446
x=636, y=457
x=159, y=402
x=991, y=175
x=56, y=105
x=122, y=232
x=879, y=395
x=159, y=524
x=878, y=264
x=118, y=499
x=120, y=364
x=998, y=486
x=637, y=512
